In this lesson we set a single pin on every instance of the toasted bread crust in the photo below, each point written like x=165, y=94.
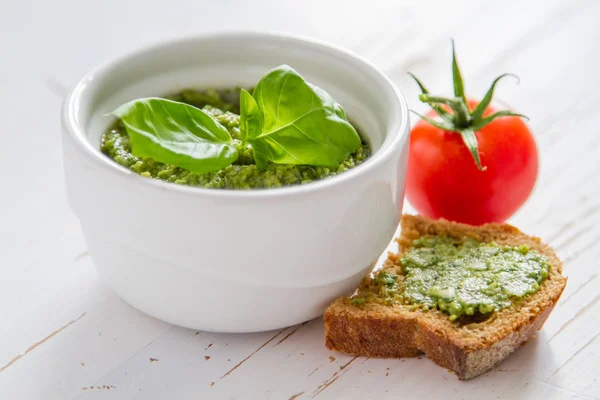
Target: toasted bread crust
x=469, y=350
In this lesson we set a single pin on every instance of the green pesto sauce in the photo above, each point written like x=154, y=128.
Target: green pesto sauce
x=460, y=277
x=242, y=174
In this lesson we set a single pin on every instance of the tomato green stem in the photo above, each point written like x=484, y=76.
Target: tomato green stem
x=461, y=120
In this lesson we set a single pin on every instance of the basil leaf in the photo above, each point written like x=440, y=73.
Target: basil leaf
x=302, y=124
x=176, y=133
x=251, y=126
x=251, y=117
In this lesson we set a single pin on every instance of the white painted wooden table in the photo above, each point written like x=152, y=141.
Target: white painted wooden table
x=65, y=335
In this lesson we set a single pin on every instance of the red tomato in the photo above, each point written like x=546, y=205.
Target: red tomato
x=444, y=182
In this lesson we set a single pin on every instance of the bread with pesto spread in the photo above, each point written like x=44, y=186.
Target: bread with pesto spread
x=470, y=345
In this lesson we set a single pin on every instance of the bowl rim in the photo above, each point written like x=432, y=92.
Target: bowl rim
x=76, y=132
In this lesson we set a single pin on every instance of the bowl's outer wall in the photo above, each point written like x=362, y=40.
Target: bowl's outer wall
x=193, y=256
x=202, y=302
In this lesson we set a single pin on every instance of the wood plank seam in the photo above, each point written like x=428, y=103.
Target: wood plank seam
x=581, y=312
x=37, y=344
x=253, y=353
x=574, y=355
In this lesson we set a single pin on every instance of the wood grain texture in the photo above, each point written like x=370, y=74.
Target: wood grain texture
x=115, y=352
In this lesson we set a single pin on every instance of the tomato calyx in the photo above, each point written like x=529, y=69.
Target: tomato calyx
x=454, y=114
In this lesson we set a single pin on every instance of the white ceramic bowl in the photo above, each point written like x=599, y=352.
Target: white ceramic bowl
x=224, y=260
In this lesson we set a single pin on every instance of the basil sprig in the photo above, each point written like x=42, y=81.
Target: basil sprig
x=286, y=121
x=290, y=121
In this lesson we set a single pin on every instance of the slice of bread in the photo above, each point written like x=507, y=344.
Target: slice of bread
x=470, y=346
